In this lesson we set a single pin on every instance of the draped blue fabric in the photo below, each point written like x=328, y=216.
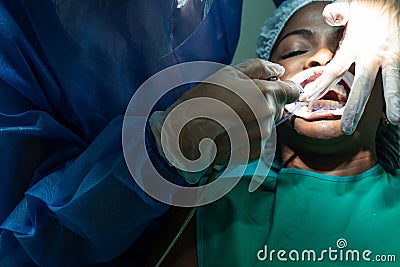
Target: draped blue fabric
x=67, y=73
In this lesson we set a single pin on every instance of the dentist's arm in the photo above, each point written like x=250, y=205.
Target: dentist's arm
x=371, y=41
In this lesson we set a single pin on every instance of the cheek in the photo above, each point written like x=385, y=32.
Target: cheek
x=375, y=102
x=292, y=67
x=374, y=108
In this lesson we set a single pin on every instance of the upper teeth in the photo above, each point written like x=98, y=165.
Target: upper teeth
x=338, y=88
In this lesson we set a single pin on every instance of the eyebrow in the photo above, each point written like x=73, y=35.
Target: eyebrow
x=303, y=32
x=307, y=33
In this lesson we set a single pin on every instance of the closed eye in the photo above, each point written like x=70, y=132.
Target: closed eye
x=293, y=54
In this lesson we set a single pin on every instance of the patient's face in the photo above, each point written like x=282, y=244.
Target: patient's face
x=305, y=42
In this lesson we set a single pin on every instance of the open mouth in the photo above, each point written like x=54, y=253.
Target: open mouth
x=331, y=105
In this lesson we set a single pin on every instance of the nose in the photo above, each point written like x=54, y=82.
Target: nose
x=320, y=58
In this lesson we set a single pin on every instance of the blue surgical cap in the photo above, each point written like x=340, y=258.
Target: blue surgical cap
x=271, y=29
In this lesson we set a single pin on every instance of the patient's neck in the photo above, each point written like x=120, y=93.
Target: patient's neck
x=344, y=164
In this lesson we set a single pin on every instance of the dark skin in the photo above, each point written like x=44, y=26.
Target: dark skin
x=319, y=144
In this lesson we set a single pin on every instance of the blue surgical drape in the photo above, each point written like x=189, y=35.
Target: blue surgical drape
x=66, y=77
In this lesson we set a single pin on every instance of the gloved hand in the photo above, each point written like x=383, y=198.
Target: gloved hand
x=371, y=41
x=240, y=103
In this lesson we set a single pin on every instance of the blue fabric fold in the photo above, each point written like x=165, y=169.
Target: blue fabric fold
x=67, y=197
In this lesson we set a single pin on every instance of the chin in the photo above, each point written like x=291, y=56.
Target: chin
x=318, y=129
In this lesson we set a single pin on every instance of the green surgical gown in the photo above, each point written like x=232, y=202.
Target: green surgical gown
x=302, y=218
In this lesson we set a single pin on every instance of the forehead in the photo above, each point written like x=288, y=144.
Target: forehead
x=308, y=17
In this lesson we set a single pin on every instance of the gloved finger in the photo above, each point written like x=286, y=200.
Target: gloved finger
x=277, y=94
x=337, y=13
x=345, y=56
x=283, y=91
x=260, y=69
x=391, y=85
x=361, y=88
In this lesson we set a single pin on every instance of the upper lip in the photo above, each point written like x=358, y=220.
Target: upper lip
x=310, y=79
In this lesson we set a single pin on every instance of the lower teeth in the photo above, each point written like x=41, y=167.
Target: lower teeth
x=305, y=112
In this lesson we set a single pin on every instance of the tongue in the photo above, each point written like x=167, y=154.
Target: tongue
x=331, y=95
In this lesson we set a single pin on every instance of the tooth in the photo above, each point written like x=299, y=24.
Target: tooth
x=323, y=105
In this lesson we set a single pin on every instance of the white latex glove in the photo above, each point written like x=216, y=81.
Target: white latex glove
x=189, y=137
x=371, y=41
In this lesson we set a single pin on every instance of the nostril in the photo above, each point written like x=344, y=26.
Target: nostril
x=314, y=64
